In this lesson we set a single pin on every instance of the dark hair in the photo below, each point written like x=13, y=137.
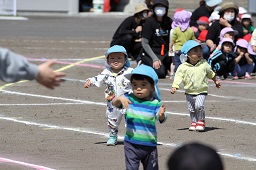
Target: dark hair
x=202, y=3
x=195, y=156
x=142, y=77
x=233, y=46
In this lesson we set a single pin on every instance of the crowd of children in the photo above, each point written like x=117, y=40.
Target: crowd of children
x=232, y=60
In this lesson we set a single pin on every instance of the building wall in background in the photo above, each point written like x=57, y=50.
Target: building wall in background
x=193, y=4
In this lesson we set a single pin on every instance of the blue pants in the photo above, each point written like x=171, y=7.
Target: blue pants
x=241, y=70
x=177, y=61
x=134, y=154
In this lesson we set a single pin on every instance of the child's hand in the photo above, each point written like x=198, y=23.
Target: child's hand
x=254, y=48
x=241, y=53
x=217, y=83
x=173, y=90
x=87, y=84
x=125, y=102
x=161, y=111
x=213, y=47
x=247, y=55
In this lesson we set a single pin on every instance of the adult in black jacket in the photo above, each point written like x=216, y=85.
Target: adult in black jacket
x=155, y=39
x=205, y=9
x=228, y=14
x=128, y=34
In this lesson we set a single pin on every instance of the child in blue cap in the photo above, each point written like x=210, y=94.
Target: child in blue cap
x=144, y=107
x=117, y=65
x=193, y=72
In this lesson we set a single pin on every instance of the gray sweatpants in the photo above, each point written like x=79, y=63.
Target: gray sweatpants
x=195, y=105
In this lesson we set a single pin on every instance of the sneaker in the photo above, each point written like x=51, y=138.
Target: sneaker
x=200, y=126
x=112, y=141
x=235, y=78
x=192, y=126
x=248, y=76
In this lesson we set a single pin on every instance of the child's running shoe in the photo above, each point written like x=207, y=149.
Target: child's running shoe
x=200, y=126
x=192, y=126
x=112, y=141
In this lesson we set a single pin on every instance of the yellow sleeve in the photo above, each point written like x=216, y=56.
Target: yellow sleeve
x=178, y=78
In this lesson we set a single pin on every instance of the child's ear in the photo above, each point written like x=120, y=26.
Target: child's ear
x=152, y=88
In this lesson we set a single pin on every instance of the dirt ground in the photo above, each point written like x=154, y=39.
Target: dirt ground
x=65, y=128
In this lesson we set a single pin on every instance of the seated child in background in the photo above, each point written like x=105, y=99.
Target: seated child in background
x=182, y=33
x=226, y=32
x=222, y=61
x=244, y=63
x=143, y=109
x=193, y=72
x=117, y=65
x=203, y=24
x=246, y=21
x=202, y=37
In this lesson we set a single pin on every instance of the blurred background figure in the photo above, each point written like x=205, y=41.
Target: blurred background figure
x=128, y=34
x=195, y=156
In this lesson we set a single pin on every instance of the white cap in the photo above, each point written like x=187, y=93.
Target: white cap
x=246, y=16
x=242, y=10
x=214, y=16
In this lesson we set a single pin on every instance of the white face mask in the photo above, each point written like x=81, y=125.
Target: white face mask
x=160, y=11
x=183, y=58
x=229, y=17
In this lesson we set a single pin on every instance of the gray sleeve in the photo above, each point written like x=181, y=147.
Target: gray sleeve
x=147, y=48
x=14, y=67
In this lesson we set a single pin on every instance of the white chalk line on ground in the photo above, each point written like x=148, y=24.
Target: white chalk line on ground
x=104, y=104
x=83, y=130
x=37, y=167
x=214, y=95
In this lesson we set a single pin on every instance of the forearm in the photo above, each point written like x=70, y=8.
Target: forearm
x=116, y=102
x=148, y=49
x=15, y=67
x=209, y=43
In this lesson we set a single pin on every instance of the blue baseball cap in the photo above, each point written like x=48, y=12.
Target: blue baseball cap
x=118, y=49
x=188, y=46
x=149, y=72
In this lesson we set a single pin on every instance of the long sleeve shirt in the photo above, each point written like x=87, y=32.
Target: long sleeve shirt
x=15, y=67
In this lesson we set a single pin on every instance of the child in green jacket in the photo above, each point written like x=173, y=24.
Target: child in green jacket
x=193, y=72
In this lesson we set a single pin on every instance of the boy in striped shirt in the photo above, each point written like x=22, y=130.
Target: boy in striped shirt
x=144, y=108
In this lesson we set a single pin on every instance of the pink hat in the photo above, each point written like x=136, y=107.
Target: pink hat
x=242, y=43
x=203, y=20
x=202, y=35
x=226, y=30
x=227, y=40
